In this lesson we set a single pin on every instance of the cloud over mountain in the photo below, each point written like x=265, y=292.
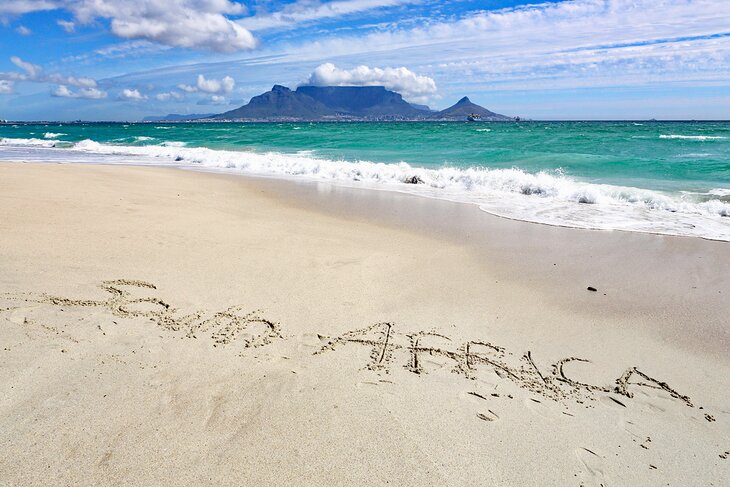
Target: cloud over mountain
x=415, y=88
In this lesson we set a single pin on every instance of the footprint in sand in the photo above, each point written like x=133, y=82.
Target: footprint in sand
x=19, y=314
x=593, y=465
x=488, y=415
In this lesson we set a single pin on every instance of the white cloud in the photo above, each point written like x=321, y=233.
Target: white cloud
x=296, y=13
x=214, y=100
x=32, y=70
x=125, y=49
x=216, y=86
x=20, y=7
x=23, y=30
x=70, y=80
x=131, y=95
x=6, y=87
x=402, y=80
x=224, y=85
x=198, y=24
x=91, y=93
x=62, y=91
x=172, y=95
x=187, y=88
x=66, y=25
x=34, y=73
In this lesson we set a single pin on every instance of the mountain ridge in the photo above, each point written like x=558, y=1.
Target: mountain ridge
x=347, y=103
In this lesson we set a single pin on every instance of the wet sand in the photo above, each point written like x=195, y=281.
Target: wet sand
x=167, y=327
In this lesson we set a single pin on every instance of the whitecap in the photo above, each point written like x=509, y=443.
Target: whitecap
x=692, y=137
x=28, y=142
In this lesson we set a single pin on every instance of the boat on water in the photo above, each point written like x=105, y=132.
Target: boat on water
x=474, y=117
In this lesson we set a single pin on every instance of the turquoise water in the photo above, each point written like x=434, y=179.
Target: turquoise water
x=680, y=168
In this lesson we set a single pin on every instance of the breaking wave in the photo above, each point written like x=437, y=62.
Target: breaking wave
x=692, y=137
x=549, y=197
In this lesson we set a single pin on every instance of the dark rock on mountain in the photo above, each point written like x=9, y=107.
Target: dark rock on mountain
x=464, y=107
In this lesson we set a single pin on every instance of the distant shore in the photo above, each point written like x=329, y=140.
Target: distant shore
x=522, y=120
x=218, y=329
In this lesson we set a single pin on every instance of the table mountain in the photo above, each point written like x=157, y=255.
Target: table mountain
x=321, y=103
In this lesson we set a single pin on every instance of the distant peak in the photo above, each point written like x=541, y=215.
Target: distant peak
x=464, y=100
x=280, y=88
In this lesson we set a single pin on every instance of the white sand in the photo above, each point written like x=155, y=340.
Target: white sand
x=180, y=389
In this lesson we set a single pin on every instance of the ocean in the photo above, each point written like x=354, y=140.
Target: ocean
x=660, y=177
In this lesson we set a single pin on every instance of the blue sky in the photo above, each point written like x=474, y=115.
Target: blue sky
x=579, y=59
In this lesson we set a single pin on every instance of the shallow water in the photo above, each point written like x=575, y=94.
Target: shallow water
x=661, y=177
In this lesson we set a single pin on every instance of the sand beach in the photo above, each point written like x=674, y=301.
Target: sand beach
x=169, y=327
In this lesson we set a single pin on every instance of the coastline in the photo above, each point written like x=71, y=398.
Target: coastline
x=324, y=261
x=555, y=262
x=571, y=194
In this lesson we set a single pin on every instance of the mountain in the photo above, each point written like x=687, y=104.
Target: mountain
x=464, y=107
x=330, y=103
x=280, y=103
x=326, y=103
x=422, y=107
x=374, y=102
x=175, y=117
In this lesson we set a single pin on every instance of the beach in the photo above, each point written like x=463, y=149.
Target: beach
x=169, y=327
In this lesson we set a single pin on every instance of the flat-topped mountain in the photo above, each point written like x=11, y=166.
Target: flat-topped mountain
x=362, y=101
x=322, y=103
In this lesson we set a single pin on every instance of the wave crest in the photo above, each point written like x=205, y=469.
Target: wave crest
x=692, y=137
x=549, y=197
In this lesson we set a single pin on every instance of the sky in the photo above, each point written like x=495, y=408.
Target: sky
x=571, y=59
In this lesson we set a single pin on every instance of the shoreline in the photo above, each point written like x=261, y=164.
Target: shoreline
x=524, y=194
x=508, y=243
x=119, y=295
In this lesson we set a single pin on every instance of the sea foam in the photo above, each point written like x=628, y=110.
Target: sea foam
x=549, y=197
x=692, y=137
